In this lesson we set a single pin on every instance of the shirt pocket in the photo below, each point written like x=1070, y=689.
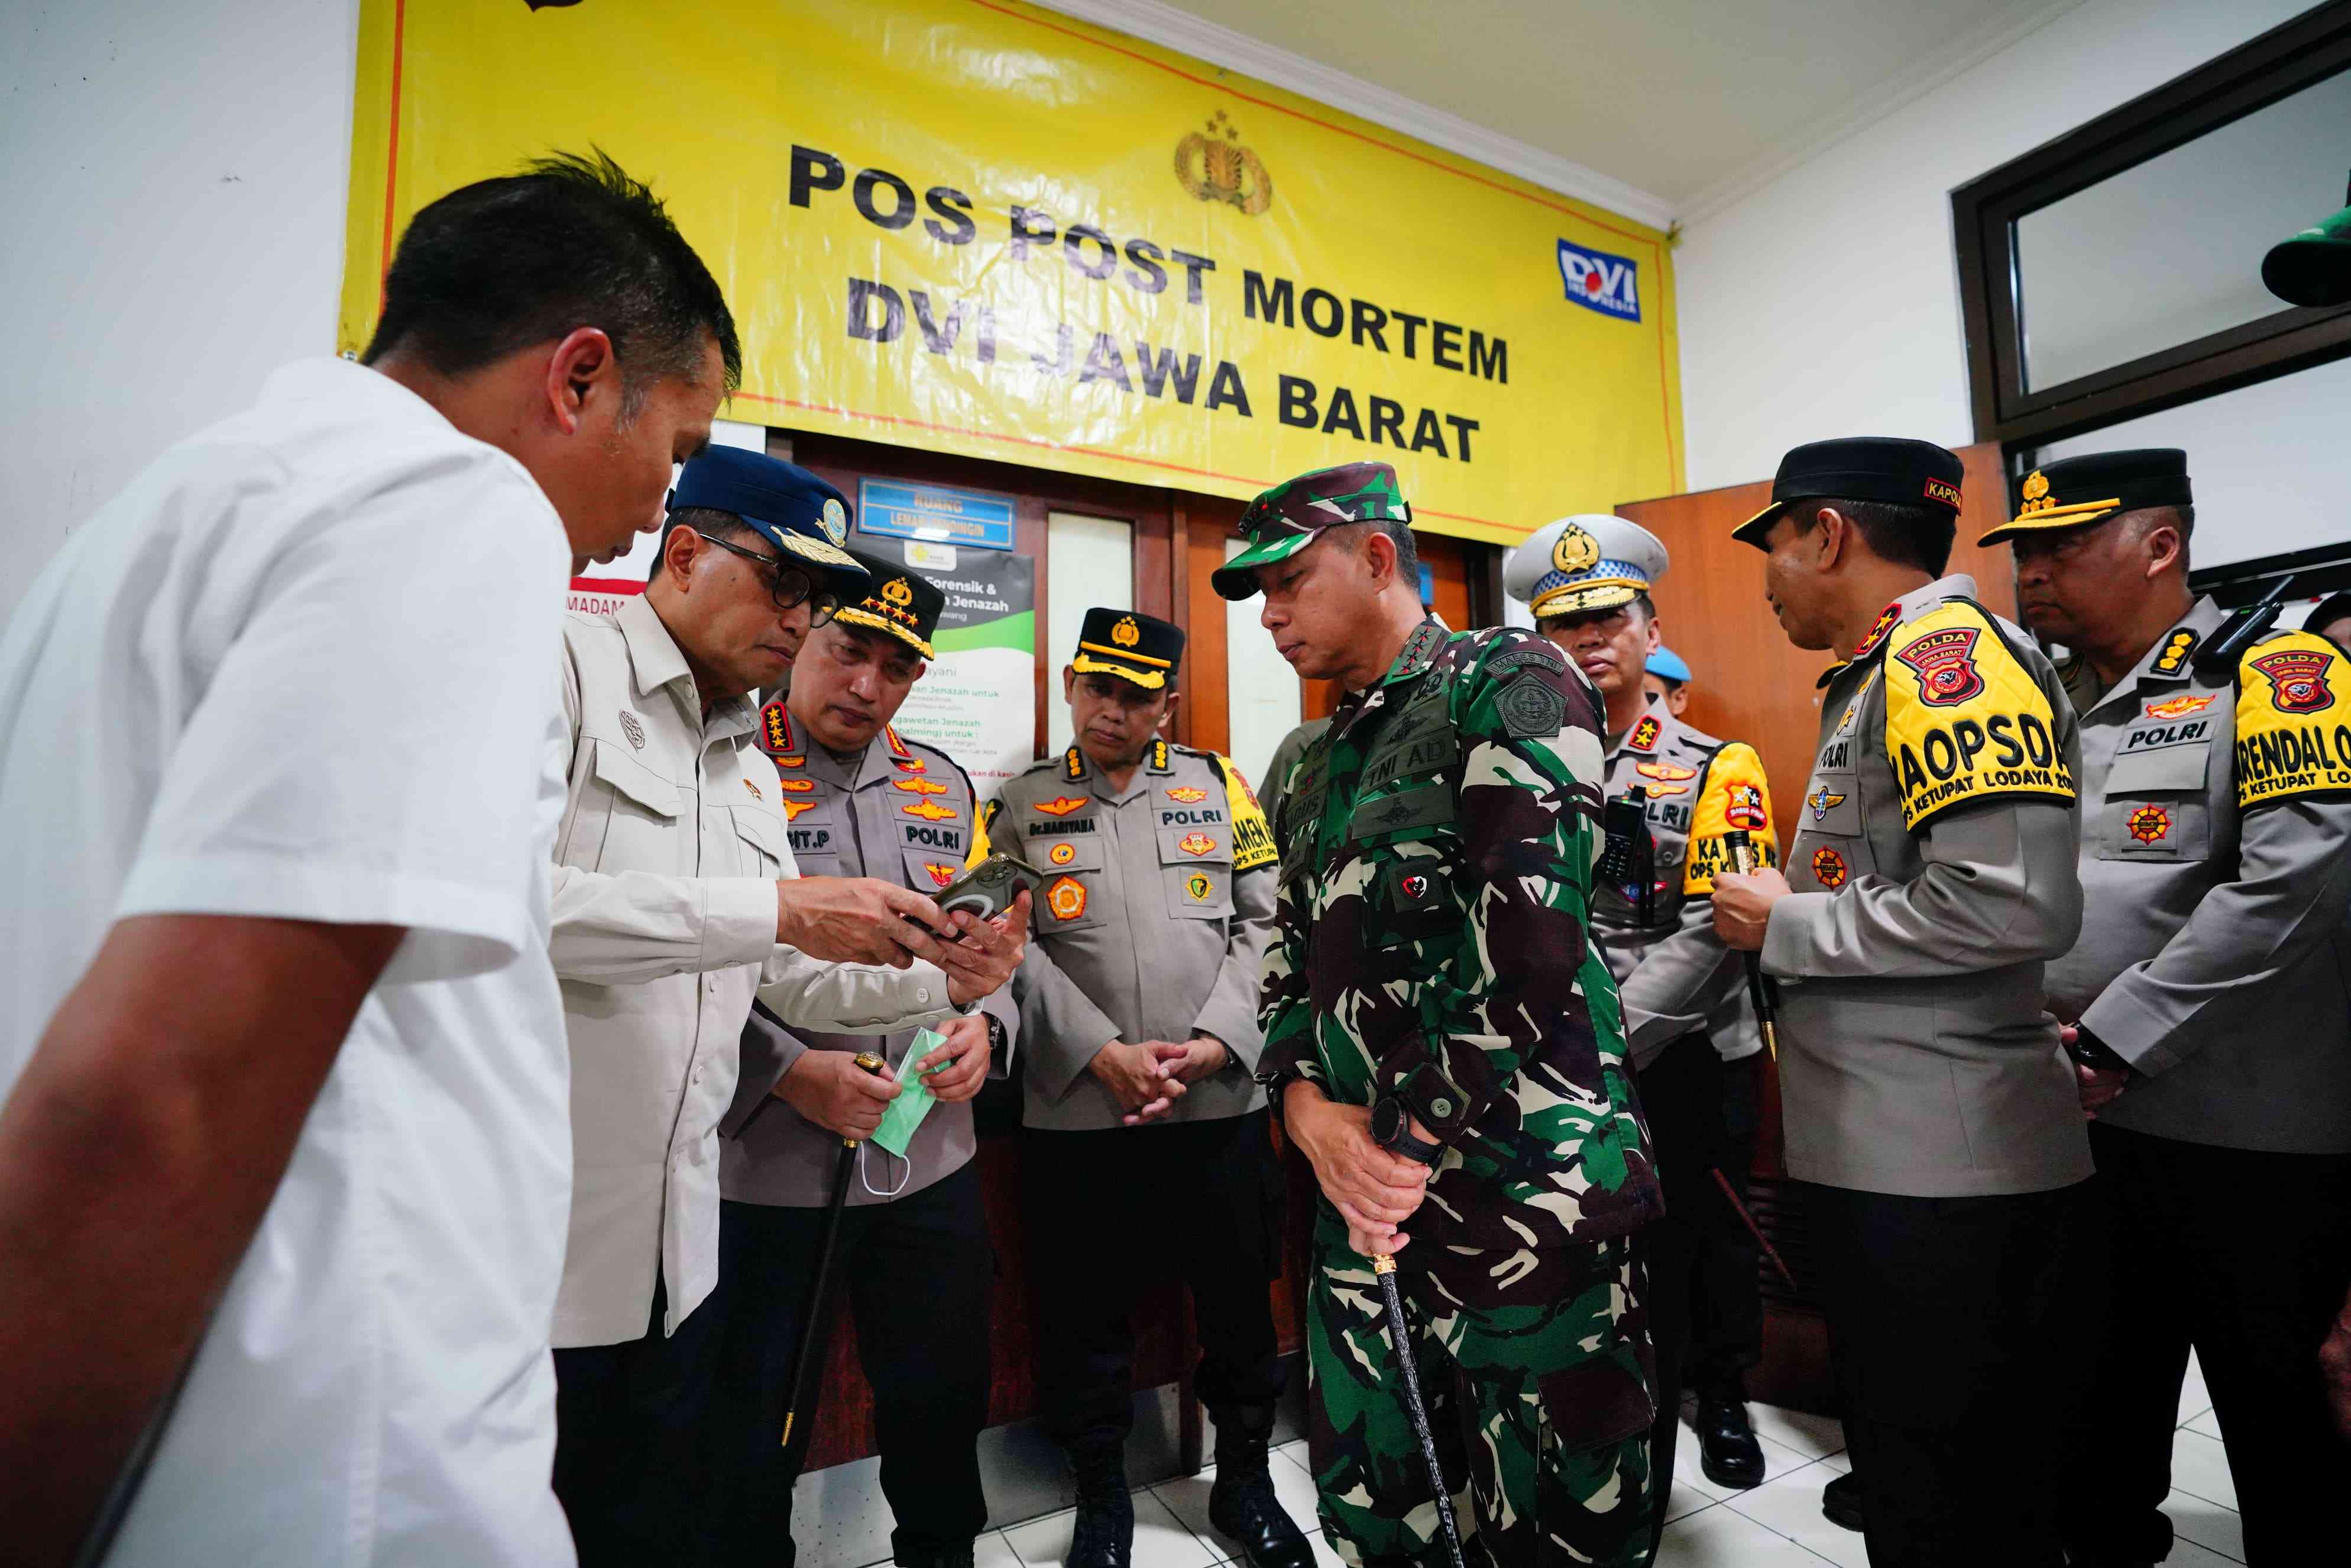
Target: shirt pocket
x=1195, y=871
x=1831, y=845
x=1076, y=895
x=2155, y=807
x=627, y=817
x=759, y=841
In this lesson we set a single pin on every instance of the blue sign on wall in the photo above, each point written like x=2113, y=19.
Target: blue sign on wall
x=941, y=513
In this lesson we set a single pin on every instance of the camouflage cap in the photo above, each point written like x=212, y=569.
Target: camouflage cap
x=1288, y=518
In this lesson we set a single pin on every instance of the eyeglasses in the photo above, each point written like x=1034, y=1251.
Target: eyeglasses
x=791, y=586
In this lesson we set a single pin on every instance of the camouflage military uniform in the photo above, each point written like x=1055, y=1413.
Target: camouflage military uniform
x=1431, y=945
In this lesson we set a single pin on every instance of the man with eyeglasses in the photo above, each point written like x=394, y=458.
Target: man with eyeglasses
x=676, y=901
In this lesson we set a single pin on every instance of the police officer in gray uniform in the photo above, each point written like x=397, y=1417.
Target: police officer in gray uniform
x=1673, y=793
x=1147, y=1148
x=1925, y=1104
x=913, y=1251
x=2210, y=1000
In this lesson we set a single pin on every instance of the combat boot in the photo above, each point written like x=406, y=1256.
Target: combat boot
x=1241, y=1503
x=1104, y=1533
x=1729, y=1454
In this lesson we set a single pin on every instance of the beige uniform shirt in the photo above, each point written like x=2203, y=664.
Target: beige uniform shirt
x=901, y=811
x=2216, y=872
x=1674, y=973
x=1152, y=925
x=664, y=928
x=1934, y=870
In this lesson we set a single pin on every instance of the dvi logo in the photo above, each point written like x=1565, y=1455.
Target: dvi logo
x=1598, y=281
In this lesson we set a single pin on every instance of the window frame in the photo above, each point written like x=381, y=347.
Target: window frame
x=2308, y=49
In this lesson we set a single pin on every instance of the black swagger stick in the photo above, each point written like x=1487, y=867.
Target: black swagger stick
x=812, y=1323
x=1384, y=1267
x=1760, y=989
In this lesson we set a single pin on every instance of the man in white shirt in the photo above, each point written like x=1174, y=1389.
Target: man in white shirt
x=669, y=911
x=279, y=1035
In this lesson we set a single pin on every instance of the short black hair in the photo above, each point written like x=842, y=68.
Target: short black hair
x=1408, y=552
x=709, y=520
x=1898, y=533
x=573, y=241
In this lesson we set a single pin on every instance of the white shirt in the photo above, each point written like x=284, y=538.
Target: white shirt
x=305, y=667
x=672, y=843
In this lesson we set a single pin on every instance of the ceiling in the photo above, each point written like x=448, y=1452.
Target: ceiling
x=1660, y=108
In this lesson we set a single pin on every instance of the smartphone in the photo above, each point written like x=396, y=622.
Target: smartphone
x=988, y=889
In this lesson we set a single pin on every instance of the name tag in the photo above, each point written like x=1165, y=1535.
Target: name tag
x=2159, y=737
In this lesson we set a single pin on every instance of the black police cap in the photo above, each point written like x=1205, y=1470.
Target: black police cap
x=1132, y=646
x=1861, y=468
x=2074, y=492
x=901, y=603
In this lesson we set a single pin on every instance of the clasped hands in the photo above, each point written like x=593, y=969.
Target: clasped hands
x=864, y=920
x=1150, y=1076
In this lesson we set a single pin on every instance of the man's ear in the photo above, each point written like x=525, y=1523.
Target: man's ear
x=678, y=551
x=1167, y=718
x=1834, y=538
x=1380, y=558
x=582, y=372
x=922, y=668
x=2164, y=549
x=1656, y=633
x=1069, y=683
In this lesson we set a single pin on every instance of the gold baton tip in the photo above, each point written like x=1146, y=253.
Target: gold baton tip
x=788, y=1430
x=1383, y=1264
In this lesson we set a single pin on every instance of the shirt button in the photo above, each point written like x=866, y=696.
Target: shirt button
x=1440, y=1108
x=923, y=994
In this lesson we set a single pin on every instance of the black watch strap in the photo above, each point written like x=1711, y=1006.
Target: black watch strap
x=1402, y=1141
x=2092, y=1052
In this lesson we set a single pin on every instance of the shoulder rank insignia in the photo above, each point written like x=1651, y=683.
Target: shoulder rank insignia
x=775, y=727
x=1159, y=763
x=1879, y=630
x=1059, y=806
x=918, y=786
x=1186, y=794
x=929, y=811
x=1073, y=763
x=1644, y=734
x=2178, y=649
x=1665, y=770
x=897, y=746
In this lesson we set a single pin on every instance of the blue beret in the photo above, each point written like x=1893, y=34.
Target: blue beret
x=1669, y=664
x=801, y=515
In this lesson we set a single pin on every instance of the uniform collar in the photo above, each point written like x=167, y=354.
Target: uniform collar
x=1958, y=585
x=1420, y=650
x=656, y=661
x=2165, y=664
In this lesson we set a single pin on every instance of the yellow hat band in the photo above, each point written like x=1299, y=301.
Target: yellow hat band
x=1590, y=593
x=850, y=615
x=1149, y=679
x=1127, y=654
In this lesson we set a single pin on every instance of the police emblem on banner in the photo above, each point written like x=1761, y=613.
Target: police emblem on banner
x=1212, y=165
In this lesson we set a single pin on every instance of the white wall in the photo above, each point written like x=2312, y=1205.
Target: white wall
x=174, y=231
x=1826, y=303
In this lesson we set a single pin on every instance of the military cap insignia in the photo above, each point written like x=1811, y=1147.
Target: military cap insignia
x=2149, y=824
x=1665, y=770
x=2036, y=486
x=1744, y=808
x=1066, y=898
x=797, y=786
x=897, y=592
x=2185, y=706
x=1196, y=844
x=918, y=786
x=1126, y=633
x=929, y=811
x=1945, y=660
x=1200, y=886
x=1063, y=854
x=2175, y=651
x=1828, y=867
x=1823, y=801
x=835, y=520
x=755, y=789
x=1059, y=806
x=1574, y=550
x=2298, y=677
x=1186, y=794
x=792, y=808
x=1887, y=619
x=633, y=728
x=1644, y=734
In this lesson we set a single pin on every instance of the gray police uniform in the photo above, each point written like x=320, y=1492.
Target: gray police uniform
x=901, y=811
x=2214, y=958
x=1152, y=925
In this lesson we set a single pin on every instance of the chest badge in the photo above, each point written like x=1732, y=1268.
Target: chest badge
x=792, y=808
x=1198, y=886
x=1945, y=661
x=1060, y=806
x=2298, y=677
x=918, y=786
x=1823, y=801
x=1062, y=854
x=1186, y=794
x=1660, y=791
x=755, y=789
x=1415, y=887
x=633, y=728
x=1745, y=807
x=2177, y=707
x=2149, y=824
x=1066, y=898
x=929, y=811
x=1665, y=770
x=797, y=786
x=1829, y=867
x=911, y=764
x=1195, y=843
x=940, y=876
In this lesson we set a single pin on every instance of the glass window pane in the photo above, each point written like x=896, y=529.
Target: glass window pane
x=2170, y=250
x=1089, y=563
x=1262, y=691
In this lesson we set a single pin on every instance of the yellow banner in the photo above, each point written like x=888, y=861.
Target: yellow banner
x=988, y=228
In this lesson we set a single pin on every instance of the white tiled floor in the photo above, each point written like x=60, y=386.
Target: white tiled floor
x=1776, y=1525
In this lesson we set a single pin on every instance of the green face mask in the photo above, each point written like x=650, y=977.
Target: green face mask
x=915, y=1100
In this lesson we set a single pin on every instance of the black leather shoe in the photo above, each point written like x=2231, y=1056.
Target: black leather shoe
x=1841, y=1501
x=1104, y=1536
x=1727, y=1450
x=1241, y=1503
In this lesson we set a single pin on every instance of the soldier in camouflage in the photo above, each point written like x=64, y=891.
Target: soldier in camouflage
x=1444, y=1042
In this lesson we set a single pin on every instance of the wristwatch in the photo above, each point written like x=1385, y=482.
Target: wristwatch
x=995, y=1033
x=1392, y=1130
x=2092, y=1052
